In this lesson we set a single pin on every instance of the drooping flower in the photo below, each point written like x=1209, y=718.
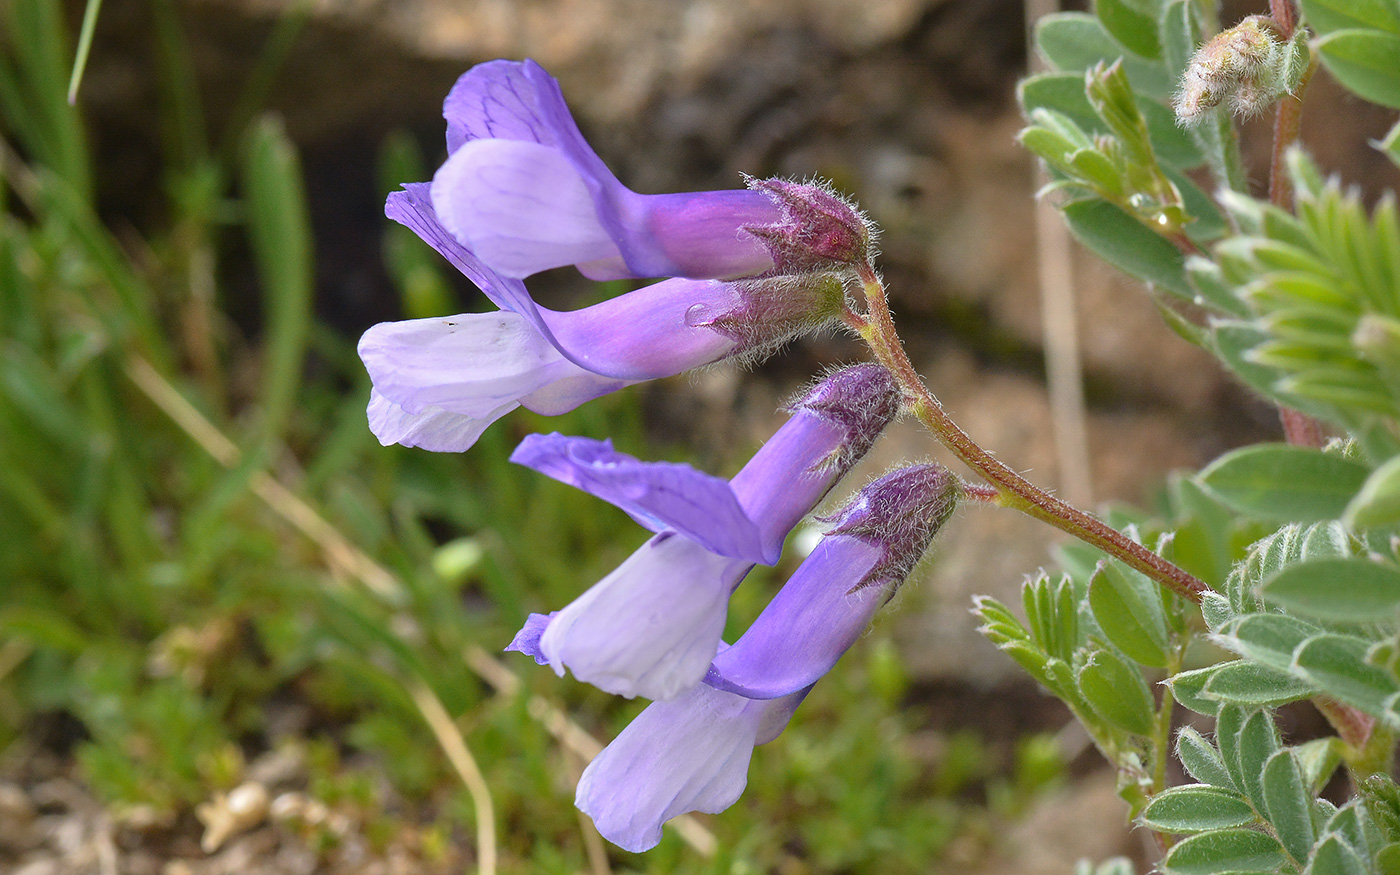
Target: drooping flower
x=651, y=627
x=692, y=753
x=438, y=383
x=523, y=190
x=831, y=598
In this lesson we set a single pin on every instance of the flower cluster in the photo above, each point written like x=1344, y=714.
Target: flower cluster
x=747, y=270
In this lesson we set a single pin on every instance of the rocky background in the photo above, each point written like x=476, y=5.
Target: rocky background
x=908, y=105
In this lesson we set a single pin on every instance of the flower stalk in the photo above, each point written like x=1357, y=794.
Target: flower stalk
x=1014, y=491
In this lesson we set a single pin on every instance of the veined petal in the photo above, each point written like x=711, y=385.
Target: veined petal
x=520, y=206
x=495, y=100
x=432, y=428
x=658, y=495
x=688, y=754
x=468, y=364
x=510, y=100
x=651, y=627
x=652, y=332
x=697, y=235
x=656, y=331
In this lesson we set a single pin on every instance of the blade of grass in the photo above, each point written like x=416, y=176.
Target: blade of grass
x=455, y=746
x=280, y=230
x=53, y=130
x=183, y=116
x=94, y=8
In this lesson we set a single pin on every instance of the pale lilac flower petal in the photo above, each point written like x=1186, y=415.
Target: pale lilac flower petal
x=431, y=428
x=413, y=208
x=649, y=628
x=658, y=330
x=689, y=754
x=697, y=235
x=521, y=207
x=658, y=495
x=527, y=640
x=469, y=363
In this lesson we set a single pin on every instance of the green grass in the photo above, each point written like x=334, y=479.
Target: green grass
x=160, y=597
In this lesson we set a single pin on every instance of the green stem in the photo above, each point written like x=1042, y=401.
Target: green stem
x=1162, y=731
x=1015, y=491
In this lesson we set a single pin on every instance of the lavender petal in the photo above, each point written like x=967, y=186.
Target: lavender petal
x=432, y=428
x=658, y=495
x=688, y=754
x=521, y=207
x=651, y=627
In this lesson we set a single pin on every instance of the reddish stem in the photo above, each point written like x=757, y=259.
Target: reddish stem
x=1015, y=491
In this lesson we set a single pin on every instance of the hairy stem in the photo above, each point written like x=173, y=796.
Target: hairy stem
x=1298, y=428
x=1015, y=491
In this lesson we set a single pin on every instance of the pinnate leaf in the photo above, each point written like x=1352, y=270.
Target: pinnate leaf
x=1325, y=16
x=1127, y=244
x=1247, y=683
x=1116, y=691
x=1201, y=760
x=1377, y=504
x=1288, y=802
x=1128, y=608
x=1133, y=23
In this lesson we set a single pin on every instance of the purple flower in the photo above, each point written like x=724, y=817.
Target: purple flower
x=692, y=753
x=831, y=598
x=523, y=190
x=438, y=383
x=651, y=627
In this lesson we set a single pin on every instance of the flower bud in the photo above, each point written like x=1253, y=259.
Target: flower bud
x=819, y=229
x=1245, y=68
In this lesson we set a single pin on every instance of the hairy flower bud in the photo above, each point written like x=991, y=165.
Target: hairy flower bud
x=819, y=229
x=1245, y=68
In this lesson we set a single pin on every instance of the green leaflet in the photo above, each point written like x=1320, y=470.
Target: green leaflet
x=1342, y=589
x=1194, y=808
x=1366, y=61
x=1226, y=850
x=1285, y=483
